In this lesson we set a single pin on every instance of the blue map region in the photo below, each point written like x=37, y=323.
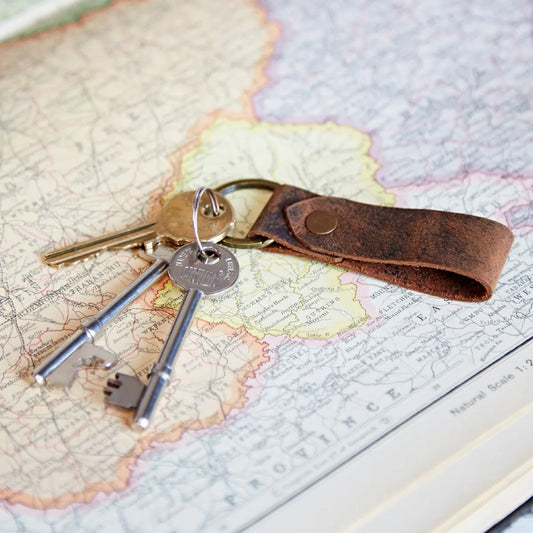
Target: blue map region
x=437, y=85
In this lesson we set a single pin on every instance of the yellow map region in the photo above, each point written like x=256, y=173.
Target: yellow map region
x=283, y=295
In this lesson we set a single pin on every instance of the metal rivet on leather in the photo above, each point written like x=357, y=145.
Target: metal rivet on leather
x=321, y=222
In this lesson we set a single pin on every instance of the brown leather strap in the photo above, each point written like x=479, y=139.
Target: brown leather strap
x=445, y=254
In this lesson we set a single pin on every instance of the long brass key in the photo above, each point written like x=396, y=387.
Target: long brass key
x=172, y=225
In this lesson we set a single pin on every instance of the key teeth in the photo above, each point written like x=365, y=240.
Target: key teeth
x=91, y=355
x=50, y=259
x=87, y=355
x=63, y=375
x=112, y=384
x=61, y=378
x=123, y=391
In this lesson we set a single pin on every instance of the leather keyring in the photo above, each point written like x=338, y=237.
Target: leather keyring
x=444, y=254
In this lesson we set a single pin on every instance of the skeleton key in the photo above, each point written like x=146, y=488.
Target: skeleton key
x=60, y=367
x=172, y=225
x=211, y=269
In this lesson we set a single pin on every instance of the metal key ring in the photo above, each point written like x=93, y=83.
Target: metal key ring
x=237, y=185
x=215, y=207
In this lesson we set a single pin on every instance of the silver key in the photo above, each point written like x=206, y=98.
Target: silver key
x=213, y=273
x=60, y=367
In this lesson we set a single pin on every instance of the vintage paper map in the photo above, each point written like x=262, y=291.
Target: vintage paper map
x=302, y=365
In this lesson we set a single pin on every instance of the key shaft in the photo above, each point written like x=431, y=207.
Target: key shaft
x=160, y=374
x=91, y=327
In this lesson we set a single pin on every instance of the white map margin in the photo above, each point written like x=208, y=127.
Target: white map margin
x=27, y=18
x=436, y=472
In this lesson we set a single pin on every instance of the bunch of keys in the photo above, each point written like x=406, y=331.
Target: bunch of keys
x=181, y=239
x=174, y=226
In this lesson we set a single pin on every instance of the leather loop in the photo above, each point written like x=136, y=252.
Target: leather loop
x=445, y=254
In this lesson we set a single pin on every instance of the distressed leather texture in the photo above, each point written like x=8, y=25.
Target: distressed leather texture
x=450, y=255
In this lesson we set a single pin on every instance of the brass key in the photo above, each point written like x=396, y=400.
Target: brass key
x=172, y=225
